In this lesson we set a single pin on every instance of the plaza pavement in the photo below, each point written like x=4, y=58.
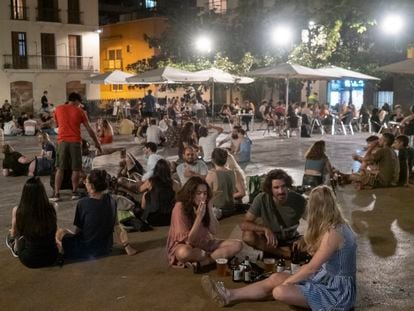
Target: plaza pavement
x=383, y=220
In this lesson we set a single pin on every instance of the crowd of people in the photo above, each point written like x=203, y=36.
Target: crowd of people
x=191, y=195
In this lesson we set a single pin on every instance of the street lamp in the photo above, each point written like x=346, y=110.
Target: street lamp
x=203, y=44
x=282, y=35
x=392, y=24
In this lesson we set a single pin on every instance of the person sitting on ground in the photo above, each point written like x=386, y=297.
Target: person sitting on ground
x=188, y=138
x=95, y=219
x=233, y=138
x=244, y=153
x=280, y=210
x=317, y=165
x=327, y=282
x=404, y=158
x=191, y=166
x=16, y=164
x=191, y=239
x=222, y=182
x=106, y=133
x=32, y=234
x=172, y=134
x=208, y=140
x=154, y=133
x=47, y=123
x=158, y=199
x=46, y=161
x=30, y=126
x=164, y=123
x=11, y=128
x=387, y=169
x=132, y=181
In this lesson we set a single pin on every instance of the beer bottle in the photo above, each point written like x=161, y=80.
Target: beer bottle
x=236, y=271
x=248, y=271
x=294, y=261
x=280, y=265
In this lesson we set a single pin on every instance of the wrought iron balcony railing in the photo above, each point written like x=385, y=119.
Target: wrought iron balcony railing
x=48, y=62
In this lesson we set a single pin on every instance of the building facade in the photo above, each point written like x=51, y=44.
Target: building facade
x=123, y=44
x=47, y=45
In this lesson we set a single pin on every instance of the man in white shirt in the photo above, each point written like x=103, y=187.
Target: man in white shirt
x=208, y=140
x=191, y=166
x=165, y=123
x=154, y=133
x=152, y=157
x=30, y=126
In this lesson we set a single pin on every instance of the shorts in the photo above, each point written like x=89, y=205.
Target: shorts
x=69, y=156
x=148, y=114
x=44, y=167
x=75, y=248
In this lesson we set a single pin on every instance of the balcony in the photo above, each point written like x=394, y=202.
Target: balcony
x=19, y=13
x=75, y=17
x=112, y=64
x=48, y=15
x=47, y=62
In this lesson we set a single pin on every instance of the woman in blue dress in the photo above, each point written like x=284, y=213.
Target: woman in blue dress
x=327, y=282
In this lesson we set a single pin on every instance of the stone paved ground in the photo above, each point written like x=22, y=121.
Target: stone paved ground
x=383, y=220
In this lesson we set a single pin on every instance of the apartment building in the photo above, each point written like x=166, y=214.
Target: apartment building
x=123, y=44
x=47, y=45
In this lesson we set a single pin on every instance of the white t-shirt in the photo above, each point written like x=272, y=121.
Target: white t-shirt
x=29, y=127
x=199, y=167
x=208, y=144
x=151, y=162
x=154, y=134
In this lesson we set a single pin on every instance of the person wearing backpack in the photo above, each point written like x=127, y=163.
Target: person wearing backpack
x=280, y=210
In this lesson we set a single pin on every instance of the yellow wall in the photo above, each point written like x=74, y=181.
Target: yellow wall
x=123, y=36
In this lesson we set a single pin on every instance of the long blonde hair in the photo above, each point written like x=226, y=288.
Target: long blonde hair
x=323, y=213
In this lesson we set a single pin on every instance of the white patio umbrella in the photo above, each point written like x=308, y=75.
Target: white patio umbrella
x=288, y=71
x=346, y=73
x=111, y=77
x=403, y=67
x=164, y=75
x=215, y=75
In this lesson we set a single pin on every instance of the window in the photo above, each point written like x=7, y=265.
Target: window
x=48, y=11
x=117, y=87
x=19, y=50
x=48, y=48
x=75, y=52
x=18, y=9
x=73, y=12
x=115, y=59
x=218, y=6
x=150, y=4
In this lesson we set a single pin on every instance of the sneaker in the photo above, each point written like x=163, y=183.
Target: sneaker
x=10, y=241
x=215, y=290
x=76, y=196
x=55, y=198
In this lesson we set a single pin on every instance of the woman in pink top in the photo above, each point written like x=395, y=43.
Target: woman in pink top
x=191, y=240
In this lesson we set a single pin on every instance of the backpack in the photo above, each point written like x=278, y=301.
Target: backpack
x=255, y=186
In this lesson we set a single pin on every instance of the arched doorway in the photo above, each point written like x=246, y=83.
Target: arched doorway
x=21, y=94
x=76, y=86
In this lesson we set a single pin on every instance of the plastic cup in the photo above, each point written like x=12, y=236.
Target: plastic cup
x=269, y=264
x=221, y=266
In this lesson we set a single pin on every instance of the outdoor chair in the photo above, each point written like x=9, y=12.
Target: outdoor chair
x=316, y=122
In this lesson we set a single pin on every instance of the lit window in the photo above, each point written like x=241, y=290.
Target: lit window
x=150, y=4
x=218, y=6
x=117, y=87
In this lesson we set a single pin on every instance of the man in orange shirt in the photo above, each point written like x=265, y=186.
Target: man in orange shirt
x=69, y=118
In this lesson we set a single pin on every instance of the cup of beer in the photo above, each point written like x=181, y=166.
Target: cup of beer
x=221, y=266
x=269, y=264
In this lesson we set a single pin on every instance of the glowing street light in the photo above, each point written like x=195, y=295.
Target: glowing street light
x=392, y=24
x=282, y=35
x=203, y=44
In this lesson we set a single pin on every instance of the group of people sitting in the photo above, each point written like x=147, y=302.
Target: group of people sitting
x=327, y=280
x=386, y=161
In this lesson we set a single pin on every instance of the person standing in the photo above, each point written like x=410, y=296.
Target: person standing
x=148, y=111
x=69, y=118
x=44, y=101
